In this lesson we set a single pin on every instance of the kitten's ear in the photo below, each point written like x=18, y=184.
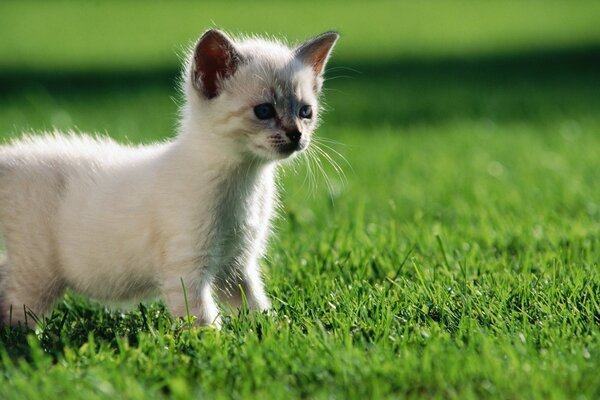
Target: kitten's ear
x=315, y=52
x=215, y=59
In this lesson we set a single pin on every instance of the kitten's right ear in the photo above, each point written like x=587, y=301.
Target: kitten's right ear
x=315, y=52
x=215, y=59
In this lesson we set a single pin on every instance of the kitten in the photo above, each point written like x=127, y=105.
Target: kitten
x=121, y=223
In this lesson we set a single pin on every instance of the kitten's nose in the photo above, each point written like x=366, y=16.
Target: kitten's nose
x=294, y=135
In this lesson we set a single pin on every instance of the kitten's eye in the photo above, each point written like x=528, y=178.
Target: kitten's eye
x=305, y=112
x=264, y=111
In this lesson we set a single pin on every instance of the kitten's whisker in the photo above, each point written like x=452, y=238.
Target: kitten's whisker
x=331, y=78
x=326, y=178
x=308, y=176
x=345, y=69
x=319, y=166
x=333, y=163
x=332, y=90
x=320, y=139
x=337, y=153
x=311, y=157
x=306, y=179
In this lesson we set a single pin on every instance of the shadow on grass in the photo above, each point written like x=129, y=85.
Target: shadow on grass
x=542, y=85
x=75, y=320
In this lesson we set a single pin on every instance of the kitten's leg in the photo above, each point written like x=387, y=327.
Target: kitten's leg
x=27, y=292
x=234, y=285
x=200, y=301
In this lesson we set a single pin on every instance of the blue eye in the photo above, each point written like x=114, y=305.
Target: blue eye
x=264, y=111
x=305, y=112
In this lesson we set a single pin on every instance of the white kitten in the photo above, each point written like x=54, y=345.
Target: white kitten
x=121, y=223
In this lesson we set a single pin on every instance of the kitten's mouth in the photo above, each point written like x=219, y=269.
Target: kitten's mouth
x=280, y=151
x=290, y=148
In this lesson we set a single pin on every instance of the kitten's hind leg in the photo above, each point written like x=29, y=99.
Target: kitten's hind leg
x=25, y=297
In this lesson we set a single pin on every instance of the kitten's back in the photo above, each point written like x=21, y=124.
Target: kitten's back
x=36, y=171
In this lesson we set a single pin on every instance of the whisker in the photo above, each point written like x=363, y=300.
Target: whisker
x=314, y=155
x=308, y=178
x=345, y=69
x=328, y=89
x=313, y=172
x=337, y=153
x=331, y=78
x=329, y=140
x=326, y=178
x=333, y=163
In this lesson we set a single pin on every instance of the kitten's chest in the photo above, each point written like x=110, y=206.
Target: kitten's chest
x=240, y=223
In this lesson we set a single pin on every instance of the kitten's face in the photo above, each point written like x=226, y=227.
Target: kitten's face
x=278, y=110
x=266, y=92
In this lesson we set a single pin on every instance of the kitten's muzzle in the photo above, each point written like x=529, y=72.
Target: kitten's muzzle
x=294, y=135
x=295, y=142
x=288, y=141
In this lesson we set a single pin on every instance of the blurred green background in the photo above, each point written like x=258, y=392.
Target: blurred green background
x=71, y=35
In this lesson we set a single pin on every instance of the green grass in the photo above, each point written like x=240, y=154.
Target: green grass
x=458, y=258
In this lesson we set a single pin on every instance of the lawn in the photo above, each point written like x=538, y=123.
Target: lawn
x=456, y=254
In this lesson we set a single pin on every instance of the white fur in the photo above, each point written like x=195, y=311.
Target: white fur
x=121, y=223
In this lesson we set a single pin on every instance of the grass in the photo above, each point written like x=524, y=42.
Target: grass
x=458, y=258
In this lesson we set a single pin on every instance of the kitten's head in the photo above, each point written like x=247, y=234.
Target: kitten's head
x=260, y=96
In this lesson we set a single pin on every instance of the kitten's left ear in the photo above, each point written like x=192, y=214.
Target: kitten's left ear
x=315, y=52
x=215, y=59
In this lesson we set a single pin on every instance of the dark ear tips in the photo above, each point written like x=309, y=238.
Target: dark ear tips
x=215, y=59
x=315, y=52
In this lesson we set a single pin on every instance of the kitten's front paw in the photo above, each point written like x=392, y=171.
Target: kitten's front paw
x=259, y=302
x=203, y=322
x=271, y=312
x=265, y=306
x=215, y=322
